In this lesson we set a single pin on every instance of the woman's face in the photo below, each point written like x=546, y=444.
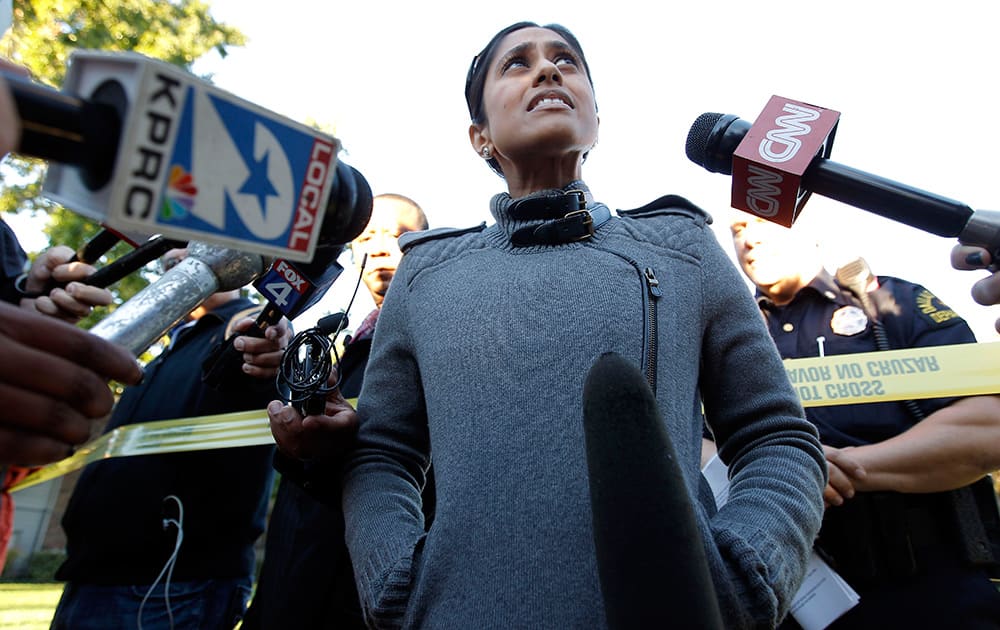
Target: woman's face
x=538, y=100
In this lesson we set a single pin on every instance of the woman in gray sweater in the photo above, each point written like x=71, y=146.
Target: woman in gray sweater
x=480, y=355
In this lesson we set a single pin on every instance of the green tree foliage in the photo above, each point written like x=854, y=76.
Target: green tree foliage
x=43, y=35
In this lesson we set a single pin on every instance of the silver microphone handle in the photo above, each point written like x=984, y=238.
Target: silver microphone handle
x=150, y=313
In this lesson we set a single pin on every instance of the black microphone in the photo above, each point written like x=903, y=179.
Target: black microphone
x=333, y=323
x=650, y=556
x=713, y=138
x=306, y=365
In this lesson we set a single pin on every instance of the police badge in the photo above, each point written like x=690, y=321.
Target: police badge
x=848, y=321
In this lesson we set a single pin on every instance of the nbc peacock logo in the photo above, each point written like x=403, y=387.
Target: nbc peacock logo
x=180, y=195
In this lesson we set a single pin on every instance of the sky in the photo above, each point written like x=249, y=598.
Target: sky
x=915, y=83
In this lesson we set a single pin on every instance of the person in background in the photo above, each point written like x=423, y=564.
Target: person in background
x=908, y=496
x=483, y=345
x=167, y=540
x=306, y=580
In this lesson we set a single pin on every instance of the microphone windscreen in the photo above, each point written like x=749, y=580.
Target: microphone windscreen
x=650, y=558
x=712, y=140
x=332, y=323
x=696, y=146
x=349, y=208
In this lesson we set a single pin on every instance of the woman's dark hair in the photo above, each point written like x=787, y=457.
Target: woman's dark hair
x=475, y=81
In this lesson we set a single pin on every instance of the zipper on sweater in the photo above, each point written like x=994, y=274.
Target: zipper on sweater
x=649, y=298
x=653, y=287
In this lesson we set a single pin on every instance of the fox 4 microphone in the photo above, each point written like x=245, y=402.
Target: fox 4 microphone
x=291, y=288
x=147, y=148
x=783, y=157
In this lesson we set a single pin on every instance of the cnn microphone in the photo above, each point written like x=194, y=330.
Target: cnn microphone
x=650, y=557
x=725, y=143
x=144, y=147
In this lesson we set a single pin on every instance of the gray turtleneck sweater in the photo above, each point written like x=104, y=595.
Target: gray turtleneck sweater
x=481, y=352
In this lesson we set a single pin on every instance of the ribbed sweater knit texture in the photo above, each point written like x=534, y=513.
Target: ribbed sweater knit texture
x=480, y=354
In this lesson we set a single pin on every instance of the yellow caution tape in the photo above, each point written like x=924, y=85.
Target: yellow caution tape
x=227, y=430
x=933, y=372
x=246, y=428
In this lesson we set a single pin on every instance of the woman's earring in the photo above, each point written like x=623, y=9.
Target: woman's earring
x=486, y=153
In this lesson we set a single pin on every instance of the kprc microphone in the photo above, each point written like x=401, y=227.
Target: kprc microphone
x=722, y=143
x=209, y=268
x=144, y=147
x=650, y=557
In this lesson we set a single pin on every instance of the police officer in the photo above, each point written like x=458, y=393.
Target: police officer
x=910, y=512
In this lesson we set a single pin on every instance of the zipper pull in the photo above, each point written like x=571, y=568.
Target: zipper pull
x=652, y=283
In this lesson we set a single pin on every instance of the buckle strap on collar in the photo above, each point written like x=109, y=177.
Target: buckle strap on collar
x=577, y=225
x=554, y=207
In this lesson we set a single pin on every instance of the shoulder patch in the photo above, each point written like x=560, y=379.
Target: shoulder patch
x=410, y=239
x=667, y=204
x=933, y=309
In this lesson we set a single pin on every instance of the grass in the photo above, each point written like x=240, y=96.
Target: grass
x=28, y=606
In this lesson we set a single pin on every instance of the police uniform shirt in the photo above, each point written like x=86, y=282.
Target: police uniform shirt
x=913, y=318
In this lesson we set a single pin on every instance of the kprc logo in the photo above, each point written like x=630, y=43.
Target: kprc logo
x=241, y=174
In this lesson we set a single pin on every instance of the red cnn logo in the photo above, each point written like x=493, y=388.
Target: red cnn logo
x=770, y=161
